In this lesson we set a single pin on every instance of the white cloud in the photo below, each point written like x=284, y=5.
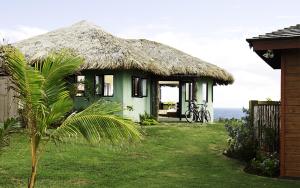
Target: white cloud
x=254, y=79
x=20, y=33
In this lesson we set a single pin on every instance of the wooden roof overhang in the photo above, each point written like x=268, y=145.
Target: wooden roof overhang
x=269, y=49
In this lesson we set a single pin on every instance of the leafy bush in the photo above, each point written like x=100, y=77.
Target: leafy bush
x=228, y=120
x=241, y=142
x=6, y=129
x=266, y=164
x=147, y=119
x=243, y=146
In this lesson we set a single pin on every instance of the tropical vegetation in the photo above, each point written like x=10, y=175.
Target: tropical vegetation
x=45, y=100
x=243, y=145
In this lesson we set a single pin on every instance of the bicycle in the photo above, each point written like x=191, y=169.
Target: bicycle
x=195, y=115
x=192, y=114
x=204, y=114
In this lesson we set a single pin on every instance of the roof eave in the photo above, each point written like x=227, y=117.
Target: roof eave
x=262, y=45
x=274, y=43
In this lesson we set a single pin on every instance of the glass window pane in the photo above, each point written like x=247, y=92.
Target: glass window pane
x=98, y=85
x=204, y=92
x=144, y=87
x=80, y=85
x=187, y=91
x=108, y=85
x=135, y=87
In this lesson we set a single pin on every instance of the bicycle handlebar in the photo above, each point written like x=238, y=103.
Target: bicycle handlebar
x=199, y=104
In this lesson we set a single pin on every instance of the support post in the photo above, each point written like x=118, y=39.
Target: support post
x=252, y=103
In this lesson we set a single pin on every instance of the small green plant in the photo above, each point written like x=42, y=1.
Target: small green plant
x=129, y=108
x=266, y=164
x=269, y=99
x=229, y=121
x=6, y=129
x=147, y=119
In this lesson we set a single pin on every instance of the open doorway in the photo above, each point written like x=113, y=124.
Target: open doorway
x=169, y=99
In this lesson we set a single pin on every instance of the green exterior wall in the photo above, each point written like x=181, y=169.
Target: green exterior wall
x=140, y=105
x=82, y=102
x=123, y=93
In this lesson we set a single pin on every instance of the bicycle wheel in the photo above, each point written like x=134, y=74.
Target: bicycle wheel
x=200, y=116
x=207, y=117
x=189, y=116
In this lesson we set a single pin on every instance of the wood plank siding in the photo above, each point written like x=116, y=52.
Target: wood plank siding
x=8, y=102
x=284, y=45
x=290, y=113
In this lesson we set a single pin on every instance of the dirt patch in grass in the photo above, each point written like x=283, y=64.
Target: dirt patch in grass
x=80, y=181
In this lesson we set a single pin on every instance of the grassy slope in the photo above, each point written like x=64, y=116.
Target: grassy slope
x=170, y=156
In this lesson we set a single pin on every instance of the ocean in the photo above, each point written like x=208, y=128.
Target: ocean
x=228, y=113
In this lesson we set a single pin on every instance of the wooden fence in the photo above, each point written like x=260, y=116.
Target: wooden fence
x=8, y=102
x=265, y=119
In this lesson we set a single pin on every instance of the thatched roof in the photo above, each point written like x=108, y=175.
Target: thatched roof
x=102, y=50
x=2, y=71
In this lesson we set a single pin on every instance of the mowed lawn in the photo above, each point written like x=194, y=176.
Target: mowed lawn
x=171, y=155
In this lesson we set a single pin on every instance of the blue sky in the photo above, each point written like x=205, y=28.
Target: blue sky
x=211, y=30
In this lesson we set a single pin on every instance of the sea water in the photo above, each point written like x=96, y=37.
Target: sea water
x=228, y=113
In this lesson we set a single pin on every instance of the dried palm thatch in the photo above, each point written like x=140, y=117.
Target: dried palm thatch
x=2, y=71
x=102, y=50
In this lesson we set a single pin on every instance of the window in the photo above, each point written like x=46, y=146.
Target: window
x=204, y=92
x=139, y=87
x=104, y=85
x=188, y=91
x=144, y=87
x=98, y=85
x=108, y=81
x=80, y=85
x=135, y=86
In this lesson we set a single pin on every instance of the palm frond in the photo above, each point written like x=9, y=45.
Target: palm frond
x=25, y=78
x=55, y=68
x=59, y=109
x=96, y=124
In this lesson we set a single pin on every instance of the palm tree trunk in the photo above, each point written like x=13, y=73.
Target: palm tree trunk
x=34, y=162
x=31, y=123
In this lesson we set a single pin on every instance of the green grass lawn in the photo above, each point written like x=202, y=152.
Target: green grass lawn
x=171, y=155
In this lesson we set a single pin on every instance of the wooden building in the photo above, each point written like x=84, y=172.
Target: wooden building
x=281, y=50
x=8, y=104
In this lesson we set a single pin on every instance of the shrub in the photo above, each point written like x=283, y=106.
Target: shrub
x=147, y=119
x=243, y=146
x=228, y=120
x=266, y=164
x=241, y=142
x=7, y=128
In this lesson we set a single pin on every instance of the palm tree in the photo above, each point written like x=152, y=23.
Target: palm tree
x=45, y=100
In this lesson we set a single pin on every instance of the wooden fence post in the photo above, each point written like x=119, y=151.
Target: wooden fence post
x=252, y=103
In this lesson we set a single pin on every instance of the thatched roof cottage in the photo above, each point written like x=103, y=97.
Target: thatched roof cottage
x=129, y=71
